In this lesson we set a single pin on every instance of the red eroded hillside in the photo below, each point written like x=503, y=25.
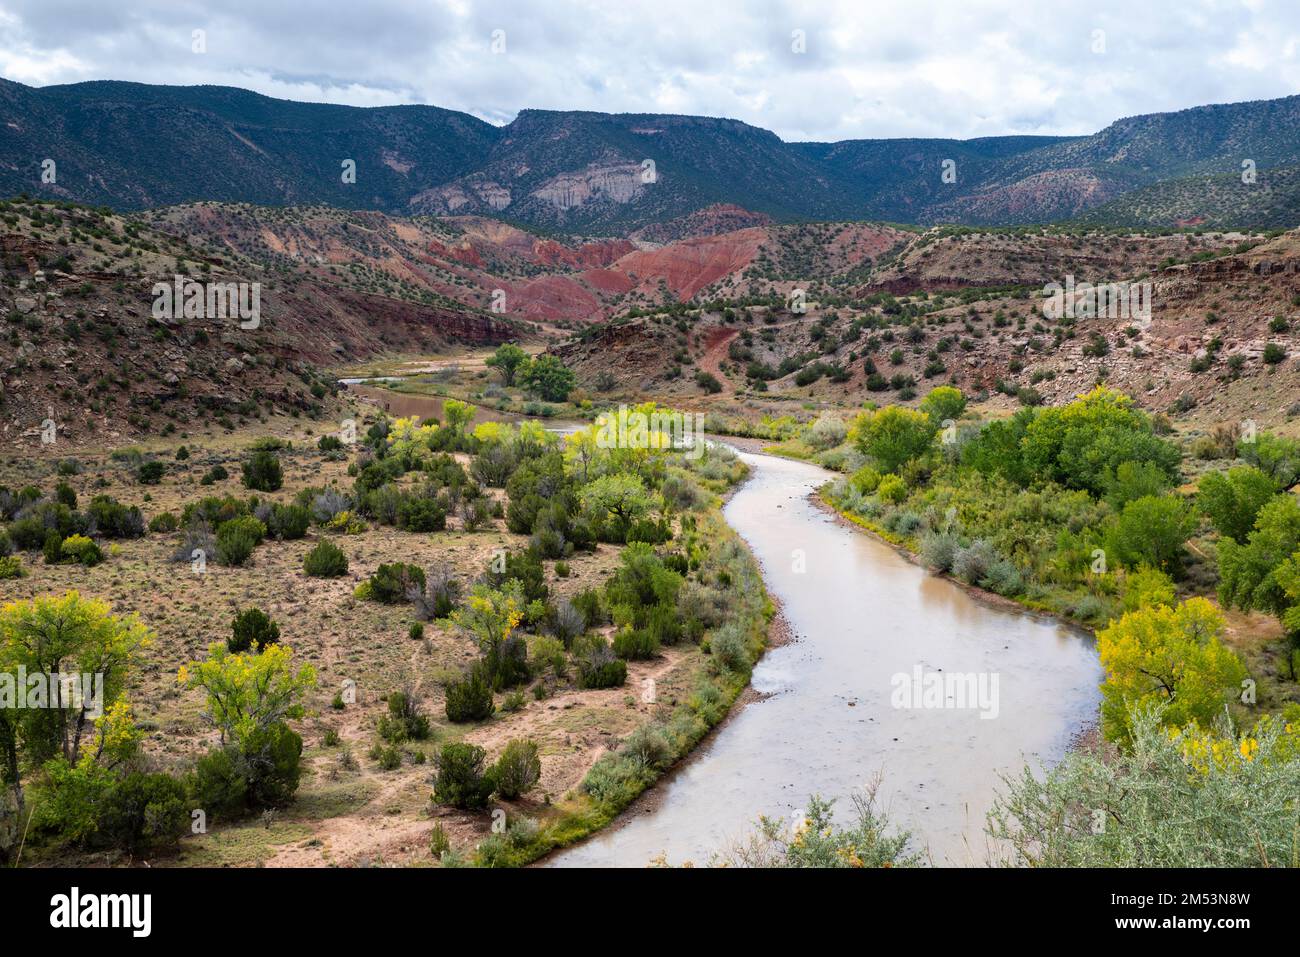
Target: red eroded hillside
x=689, y=266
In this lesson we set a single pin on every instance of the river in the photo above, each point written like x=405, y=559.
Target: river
x=861, y=614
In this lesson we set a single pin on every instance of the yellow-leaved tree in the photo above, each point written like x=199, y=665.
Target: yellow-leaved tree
x=1166, y=655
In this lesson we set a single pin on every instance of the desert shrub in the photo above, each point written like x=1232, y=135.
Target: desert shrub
x=289, y=522
x=111, y=519
x=252, y=626
x=262, y=472
x=939, y=550
x=972, y=563
x=80, y=549
x=328, y=504
x=27, y=534
x=64, y=494
x=215, y=474
x=150, y=473
x=438, y=597
x=648, y=747
x=164, y=522
x=566, y=622
x=518, y=769
x=598, y=666
x=390, y=583
x=144, y=812
x=11, y=567
x=525, y=567
x=477, y=513
x=460, y=780
x=52, y=549
x=729, y=648
x=892, y=489
x=271, y=759
x=404, y=720
x=632, y=644
x=416, y=631
x=421, y=515
x=470, y=698
x=866, y=480
x=591, y=606
x=1003, y=578
x=237, y=538
x=218, y=785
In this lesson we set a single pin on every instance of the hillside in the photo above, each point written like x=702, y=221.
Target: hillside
x=78, y=295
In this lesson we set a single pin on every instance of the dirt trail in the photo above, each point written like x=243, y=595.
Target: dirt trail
x=715, y=351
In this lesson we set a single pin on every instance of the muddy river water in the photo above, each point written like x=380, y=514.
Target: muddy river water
x=829, y=722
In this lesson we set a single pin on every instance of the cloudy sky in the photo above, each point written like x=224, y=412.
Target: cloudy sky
x=820, y=70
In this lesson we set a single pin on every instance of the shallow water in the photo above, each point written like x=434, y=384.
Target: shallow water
x=861, y=614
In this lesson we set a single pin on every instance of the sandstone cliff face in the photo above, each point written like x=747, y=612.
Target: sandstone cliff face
x=618, y=183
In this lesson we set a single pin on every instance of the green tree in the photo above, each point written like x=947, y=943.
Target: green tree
x=1248, y=572
x=549, y=378
x=893, y=436
x=942, y=404
x=1167, y=656
x=1082, y=444
x=61, y=635
x=1151, y=531
x=621, y=496
x=507, y=360
x=249, y=694
x=1233, y=501
x=458, y=414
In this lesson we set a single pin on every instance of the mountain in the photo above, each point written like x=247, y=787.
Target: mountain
x=132, y=146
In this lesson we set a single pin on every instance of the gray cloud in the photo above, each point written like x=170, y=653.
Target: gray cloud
x=956, y=68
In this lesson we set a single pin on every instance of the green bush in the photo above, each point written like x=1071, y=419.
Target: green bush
x=404, y=721
x=11, y=567
x=421, y=515
x=145, y=812
x=390, y=583
x=289, y=522
x=252, y=626
x=460, y=780
x=80, y=549
x=598, y=667
x=518, y=769
x=237, y=538
x=272, y=763
x=262, y=472
x=470, y=698
x=150, y=473
x=164, y=522
x=635, y=644
x=218, y=786
x=325, y=560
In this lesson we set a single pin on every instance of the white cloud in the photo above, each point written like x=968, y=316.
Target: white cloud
x=924, y=68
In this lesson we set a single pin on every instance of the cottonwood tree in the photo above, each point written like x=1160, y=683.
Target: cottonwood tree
x=507, y=360
x=1171, y=657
